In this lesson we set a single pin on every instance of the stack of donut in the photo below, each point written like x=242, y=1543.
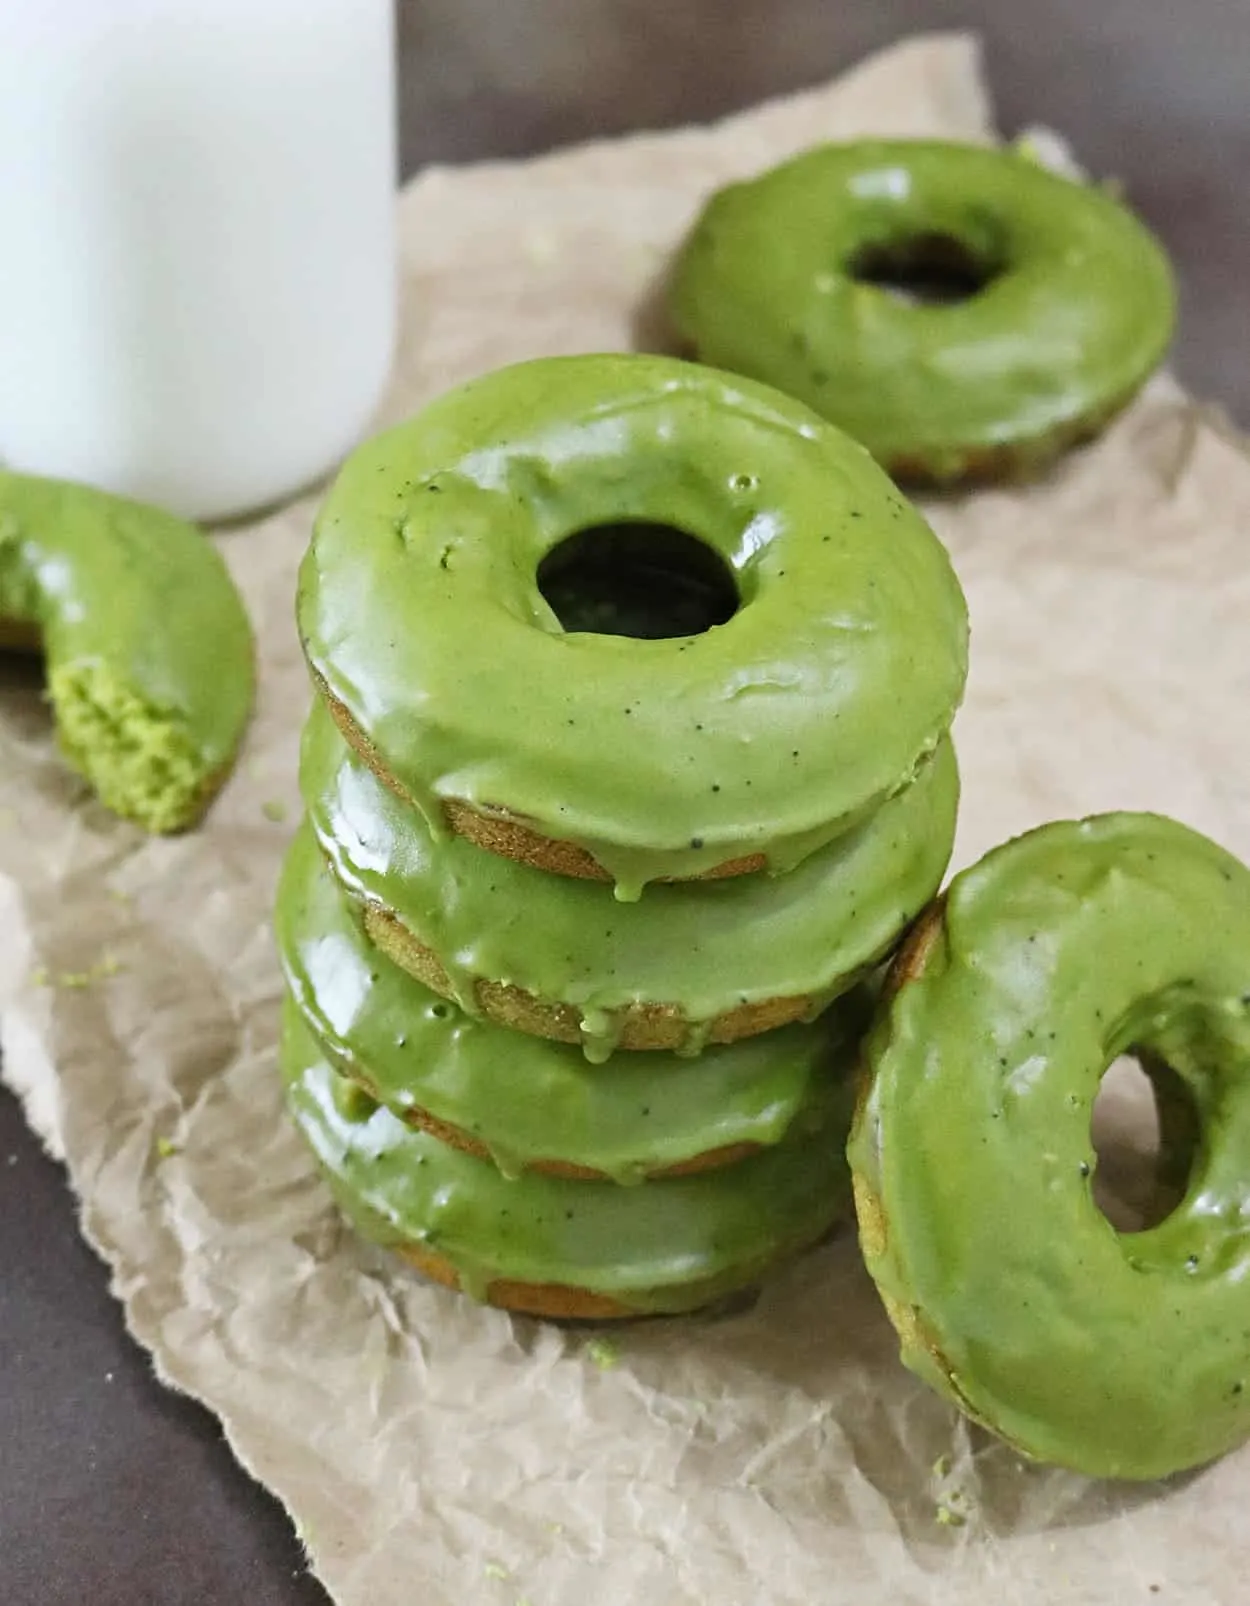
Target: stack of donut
x=629, y=760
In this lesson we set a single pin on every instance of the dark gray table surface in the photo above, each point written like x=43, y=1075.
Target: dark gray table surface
x=112, y=1490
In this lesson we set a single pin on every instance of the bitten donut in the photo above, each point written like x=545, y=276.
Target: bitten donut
x=708, y=961
x=1116, y=1354
x=832, y=665
x=1068, y=301
x=529, y=1104
x=553, y=1247
x=148, y=648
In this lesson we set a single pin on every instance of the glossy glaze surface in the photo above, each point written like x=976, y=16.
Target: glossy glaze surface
x=1077, y=306
x=1124, y=1355
x=148, y=647
x=662, y=1246
x=526, y=1099
x=820, y=697
x=704, y=946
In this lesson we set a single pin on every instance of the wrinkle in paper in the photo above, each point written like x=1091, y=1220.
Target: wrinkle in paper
x=432, y=1450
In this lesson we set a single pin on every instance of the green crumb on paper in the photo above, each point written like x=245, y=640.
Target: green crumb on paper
x=107, y=965
x=524, y=1600
x=274, y=809
x=496, y=1569
x=603, y=1353
x=539, y=245
x=952, y=1506
x=1029, y=147
x=165, y=1147
x=75, y=980
x=942, y=1466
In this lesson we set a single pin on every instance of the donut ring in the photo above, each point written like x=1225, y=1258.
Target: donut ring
x=751, y=741
x=525, y=1103
x=1115, y=1354
x=1071, y=301
x=688, y=965
x=550, y=1246
x=147, y=644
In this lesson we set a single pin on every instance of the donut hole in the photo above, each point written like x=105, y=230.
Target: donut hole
x=924, y=269
x=651, y=581
x=1144, y=1130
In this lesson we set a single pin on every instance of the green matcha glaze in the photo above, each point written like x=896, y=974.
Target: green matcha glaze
x=525, y=1098
x=704, y=946
x=1078, y=308
x=667, y=1246
x=1123, y=1355
x=816, y=701
x=148, y=647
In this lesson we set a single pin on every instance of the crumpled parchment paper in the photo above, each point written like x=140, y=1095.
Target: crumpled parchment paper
x=437, y=1452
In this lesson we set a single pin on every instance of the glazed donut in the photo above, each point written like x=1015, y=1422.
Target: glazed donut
x=550, y=1246
x=147, y=645
x=833, y=665
x=1115, y=1354
x=529, y=1104
x=1069, y=302
x=709, y=961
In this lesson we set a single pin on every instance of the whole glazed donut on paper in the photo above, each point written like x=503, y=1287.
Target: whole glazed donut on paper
x=819, y=692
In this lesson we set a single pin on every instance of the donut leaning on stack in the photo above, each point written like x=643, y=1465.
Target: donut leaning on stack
x=630, y=759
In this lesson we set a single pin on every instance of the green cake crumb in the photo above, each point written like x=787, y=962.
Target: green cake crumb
x=949, y=1516
x=138, y=758
x=75, y=980
x=495, y=1569
x=274, y=809
x=166, y=1147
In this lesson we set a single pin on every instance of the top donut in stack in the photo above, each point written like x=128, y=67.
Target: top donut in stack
x=635, y=690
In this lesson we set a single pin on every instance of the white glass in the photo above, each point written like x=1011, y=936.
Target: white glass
x=197, y=251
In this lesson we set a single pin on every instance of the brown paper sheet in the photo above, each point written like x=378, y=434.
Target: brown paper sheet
x=437, y=1452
